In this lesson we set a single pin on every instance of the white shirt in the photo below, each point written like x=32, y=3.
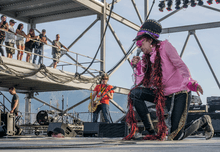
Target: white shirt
x=10, y=37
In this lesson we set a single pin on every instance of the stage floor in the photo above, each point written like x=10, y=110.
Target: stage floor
x=49, y=144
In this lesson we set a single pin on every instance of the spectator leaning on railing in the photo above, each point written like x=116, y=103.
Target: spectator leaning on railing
x=29, y=43
x=3, y=26
x=10, y=39
x=56, y=51
x=39, y=46
x=20, y=40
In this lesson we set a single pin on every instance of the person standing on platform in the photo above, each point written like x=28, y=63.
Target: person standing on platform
x=20, y=40
x=29, y=43
x=56, y=51
x=99, y=91
x=39, y=46
x=10, y=39
x=3, y=26
x=15, y=106
x=164, y=79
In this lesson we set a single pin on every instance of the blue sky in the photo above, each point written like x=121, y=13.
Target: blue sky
x=70, y=29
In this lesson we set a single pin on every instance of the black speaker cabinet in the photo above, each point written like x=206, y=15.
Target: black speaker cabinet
x=3, y=130
x=105, y=129
x=68, y=131
x=214, y=108
x=113, y=130
x=90, y=128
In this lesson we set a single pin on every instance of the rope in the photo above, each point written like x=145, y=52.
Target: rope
x=45, y=72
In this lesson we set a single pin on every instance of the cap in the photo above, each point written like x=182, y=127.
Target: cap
x=43, y=30
x=151, y=28
x=12, y=21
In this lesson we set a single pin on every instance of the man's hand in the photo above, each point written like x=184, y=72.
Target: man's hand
x=135, y=60
x=93, y=104
x=199, y=89
x=11, y=111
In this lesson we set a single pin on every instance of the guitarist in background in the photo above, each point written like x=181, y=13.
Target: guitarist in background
x=100, y=90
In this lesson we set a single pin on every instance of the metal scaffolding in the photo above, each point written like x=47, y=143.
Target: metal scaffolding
x=34, y=12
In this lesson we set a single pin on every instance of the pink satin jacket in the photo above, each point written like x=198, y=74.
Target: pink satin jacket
x=176, y=75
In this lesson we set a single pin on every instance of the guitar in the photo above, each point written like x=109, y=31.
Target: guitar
x=97, y=102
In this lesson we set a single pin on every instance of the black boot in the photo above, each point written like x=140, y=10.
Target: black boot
x=149, y=127
x=207, y=127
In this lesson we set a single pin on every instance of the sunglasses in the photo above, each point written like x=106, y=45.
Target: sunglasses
x=139, y=42
x=105, y=79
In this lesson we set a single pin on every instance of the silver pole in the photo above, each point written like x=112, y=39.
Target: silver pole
x=102, y=51
x=91, y=25
x=184, y=46
x=146, y=8
x=210, y=67
x=117, y=106
x=47, y=104
x=136, y=9
x=27, y=109
x=118, y=41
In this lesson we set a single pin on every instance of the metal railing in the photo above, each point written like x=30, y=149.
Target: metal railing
x=3, y=103
x=63, y=51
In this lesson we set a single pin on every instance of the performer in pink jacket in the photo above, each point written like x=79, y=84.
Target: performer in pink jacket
x=163, y=78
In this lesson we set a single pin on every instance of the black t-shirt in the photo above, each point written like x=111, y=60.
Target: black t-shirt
x=15, y=97
x=41, y=44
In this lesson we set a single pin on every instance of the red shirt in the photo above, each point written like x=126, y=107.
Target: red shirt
x=100, y=87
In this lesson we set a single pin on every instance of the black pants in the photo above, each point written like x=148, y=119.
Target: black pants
x=179, y=113
x=1, y=49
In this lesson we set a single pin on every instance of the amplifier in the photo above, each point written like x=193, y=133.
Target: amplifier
x=198, y=109
x=213, y=100
x=105, y=129
x=91, y=128
x=113, y=130
x=214, y=108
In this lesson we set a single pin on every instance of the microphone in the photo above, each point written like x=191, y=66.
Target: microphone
x=137, y=54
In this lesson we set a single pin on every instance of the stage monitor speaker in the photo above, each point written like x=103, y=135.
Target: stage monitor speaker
x=113, y=130
x=68, y=131
x=3, y=130
x=91, y=128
